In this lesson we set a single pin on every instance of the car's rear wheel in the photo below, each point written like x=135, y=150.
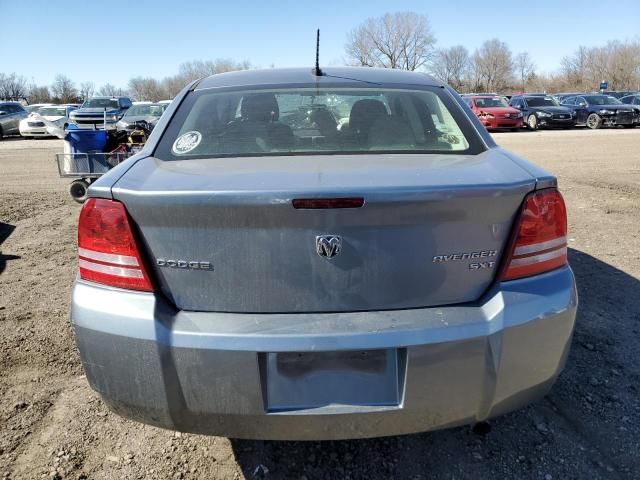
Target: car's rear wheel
x=532, y=122
x=594, y=121
x=78, y=190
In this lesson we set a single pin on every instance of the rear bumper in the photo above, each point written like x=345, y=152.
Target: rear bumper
x=211, y=372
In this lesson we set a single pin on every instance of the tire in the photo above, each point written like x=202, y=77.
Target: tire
x=78, y=190
x=594, y=121
x=532, y=122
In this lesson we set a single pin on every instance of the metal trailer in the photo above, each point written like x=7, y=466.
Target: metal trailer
x=86, y=168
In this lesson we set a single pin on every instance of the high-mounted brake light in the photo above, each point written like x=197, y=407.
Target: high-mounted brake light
x=539, y=239
x=327, y=203
x=107, y=248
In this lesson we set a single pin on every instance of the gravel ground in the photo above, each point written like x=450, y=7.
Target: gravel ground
x=52, y=425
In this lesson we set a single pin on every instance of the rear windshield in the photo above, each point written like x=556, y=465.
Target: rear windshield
x=314, y=120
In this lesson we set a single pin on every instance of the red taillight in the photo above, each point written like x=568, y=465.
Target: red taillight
x=107, y=248
x=539, y=239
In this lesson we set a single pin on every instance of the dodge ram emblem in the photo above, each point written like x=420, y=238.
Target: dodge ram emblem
x=328, y=246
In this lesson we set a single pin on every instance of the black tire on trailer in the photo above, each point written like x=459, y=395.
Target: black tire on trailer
x=78, y=190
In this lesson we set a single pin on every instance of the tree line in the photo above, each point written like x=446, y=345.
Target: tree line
x=405, y=40
x=402, y=40
x=65, y=90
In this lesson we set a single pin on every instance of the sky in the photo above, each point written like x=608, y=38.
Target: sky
x=112, y=41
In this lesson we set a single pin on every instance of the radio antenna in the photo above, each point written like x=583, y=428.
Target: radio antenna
x=317, y=72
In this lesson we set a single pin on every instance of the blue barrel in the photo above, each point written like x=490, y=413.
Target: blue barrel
x=86, y=141
x=89, y=142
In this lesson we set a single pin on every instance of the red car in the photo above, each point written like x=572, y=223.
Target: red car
x=494, y=112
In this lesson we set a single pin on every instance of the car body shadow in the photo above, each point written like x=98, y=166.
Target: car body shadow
x=6, y=230
x=562, y=426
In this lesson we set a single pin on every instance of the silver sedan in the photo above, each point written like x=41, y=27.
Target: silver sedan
x=322, y=255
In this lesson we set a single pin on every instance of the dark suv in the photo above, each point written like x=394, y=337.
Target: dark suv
x=543, y=111
x=596, y=111
x=10, y=115
x=100, y=112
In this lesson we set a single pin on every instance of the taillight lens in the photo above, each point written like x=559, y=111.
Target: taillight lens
x=539, y=239
x=107, y=247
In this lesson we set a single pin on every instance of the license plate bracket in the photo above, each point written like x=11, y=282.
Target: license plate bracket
x=315, y=380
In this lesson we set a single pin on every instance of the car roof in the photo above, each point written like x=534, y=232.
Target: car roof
x=300, y=76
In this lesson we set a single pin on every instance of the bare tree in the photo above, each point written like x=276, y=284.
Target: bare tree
x=38, y=94
x=573, y=68
x=86, y=90
x=173, y=85
x=148, y=88
x=451, y=65
x=195, y=69
x=494, y=65
x=396, y=40
x=108, y=90
x=63, y=89
x=12, y=86
x=616, y=62
x=525, y=68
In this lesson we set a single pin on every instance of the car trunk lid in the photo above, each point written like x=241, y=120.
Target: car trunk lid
x=222, y=234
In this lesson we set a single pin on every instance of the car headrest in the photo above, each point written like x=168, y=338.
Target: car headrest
x=262, y=107
x=364, y=113
x=388, y=132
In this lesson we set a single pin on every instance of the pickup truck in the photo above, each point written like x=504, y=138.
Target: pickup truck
x=92, y=112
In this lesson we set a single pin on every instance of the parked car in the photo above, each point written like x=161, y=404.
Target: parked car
x=620, y=94
x=92, y=112
x=494, y=113
x=35, y=107
x=596, y=111
x=58, y=115
x=10, y=115
x=540, y=111
x=634, y=101
x=149, y=113
x=244, y=277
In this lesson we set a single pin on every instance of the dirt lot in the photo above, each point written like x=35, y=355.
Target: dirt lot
x=52, y=425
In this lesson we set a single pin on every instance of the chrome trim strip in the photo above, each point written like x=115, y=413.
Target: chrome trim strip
x=538, y=247
x=543, y=257
x=110, y=270
x=108, y=257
